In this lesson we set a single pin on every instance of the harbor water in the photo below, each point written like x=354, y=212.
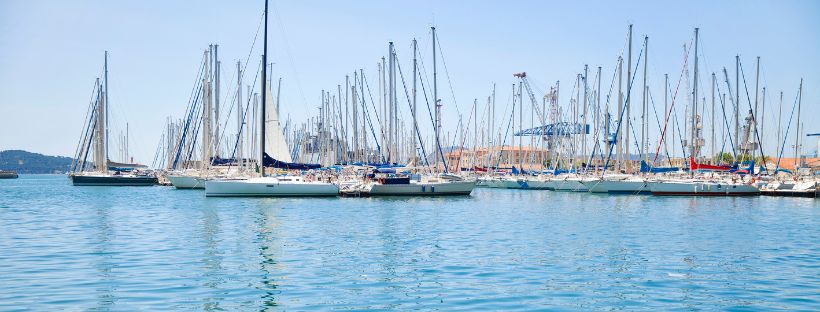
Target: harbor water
x=159, y=249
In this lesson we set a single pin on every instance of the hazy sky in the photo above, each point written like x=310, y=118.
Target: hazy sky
x=51, y=51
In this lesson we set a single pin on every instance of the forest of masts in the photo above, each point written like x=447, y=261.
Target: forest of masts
x=604, y=118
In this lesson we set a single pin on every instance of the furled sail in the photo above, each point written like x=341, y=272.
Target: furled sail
x=275, y=145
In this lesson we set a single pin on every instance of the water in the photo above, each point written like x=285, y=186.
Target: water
x=159, y=249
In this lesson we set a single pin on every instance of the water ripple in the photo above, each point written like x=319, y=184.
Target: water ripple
x=98, y=248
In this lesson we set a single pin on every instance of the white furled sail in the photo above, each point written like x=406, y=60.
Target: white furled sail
x=275, y=145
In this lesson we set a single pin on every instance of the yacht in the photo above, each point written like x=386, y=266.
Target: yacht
x=273, y=151
x=619, y=184
x=703, y=188
x=281, y=186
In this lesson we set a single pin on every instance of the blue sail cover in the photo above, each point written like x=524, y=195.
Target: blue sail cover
x=749, y=170
x=558, y=171
x=378, y=165
x=215, y=161
x=646, y=168
x=268, y=161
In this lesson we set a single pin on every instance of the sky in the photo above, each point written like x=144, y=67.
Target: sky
x=51, y=52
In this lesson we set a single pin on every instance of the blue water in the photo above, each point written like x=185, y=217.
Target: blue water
x=157, y=249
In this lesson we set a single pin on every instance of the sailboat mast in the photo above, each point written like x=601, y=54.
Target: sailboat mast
x=415, y=122
x=206, y=113
x=217, y=67
x=239, y=115
x=104, y=124
x=584, y=111
x=619, y=135
x=779, y=120
x=645, y=103
x=666, y=111
x=437, y=122
x=628, y=118
x=737, y=103
x=797, y=132
x=263, y=114
x=694, y=135
x=712, y=125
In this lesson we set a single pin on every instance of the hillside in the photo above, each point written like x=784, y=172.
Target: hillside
x=27, y=162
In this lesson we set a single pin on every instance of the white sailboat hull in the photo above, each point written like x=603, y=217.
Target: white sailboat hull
x=494, y=183
x=703, y=189
x=570, y=184
x=423, y=189
x=186, y=182
x=626, y=186
x=268, y=187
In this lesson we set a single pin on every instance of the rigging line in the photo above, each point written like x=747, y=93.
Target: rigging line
x=754, y=118
x=195, y=132
x=506, y=132
x=437, y=142
x=788, y=127
x=193, y=97
x=87, y=134
x=94, y=126
x=733, y=101
x=245, y=113
x=447, y=73
x=415, y=121
x=158, y=150
x=242, y=76
x=725, y=119
x=683, y=71
x=620, y=119
x=227, y=117
x=372, y=103
x=375, y=111
x=464, y=137
x=658, y=121
x=84, y=129
x=290, y=55
x=190, y=111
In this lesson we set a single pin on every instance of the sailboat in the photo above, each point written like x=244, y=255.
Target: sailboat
x=442, y=184
x=272, y=146
x=100, y=172
x=388, y=183
x=618, y=184
x=703, y=186
x=8, y=174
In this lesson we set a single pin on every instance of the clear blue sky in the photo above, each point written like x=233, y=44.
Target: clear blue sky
x=51, y=51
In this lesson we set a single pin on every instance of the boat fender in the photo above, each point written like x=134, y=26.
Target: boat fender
x=432, y=189
x=422, y=188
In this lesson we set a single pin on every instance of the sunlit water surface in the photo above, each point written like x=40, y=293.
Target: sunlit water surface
x=156, y=248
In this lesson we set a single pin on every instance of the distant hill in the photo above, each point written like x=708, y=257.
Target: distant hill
x=27, y=162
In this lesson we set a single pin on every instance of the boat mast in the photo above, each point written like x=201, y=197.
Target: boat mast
x=666, y=111
x=437, y=122
x=712, y=126
x=619, y=135
x=217, y=67
x=239, y=115
x=584, y=111
x=779, y=120
x=762, y=120
x=694, y=132
x=737, y=104
x=628, y=101
x=757, y=85
x=413, y=151
x=645, y=103
x=797, y=137
x=104, y=115
x=264, y=93
x=206, y=113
